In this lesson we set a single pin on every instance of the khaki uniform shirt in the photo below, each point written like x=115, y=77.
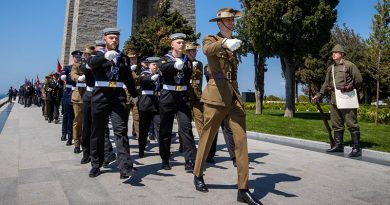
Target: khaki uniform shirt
x=346, y=70
x=137, y=86
x=222, y=62
x=77, y=94
x=43, y=89
x=195, y=86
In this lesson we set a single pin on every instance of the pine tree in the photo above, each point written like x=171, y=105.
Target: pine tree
x=151, y=36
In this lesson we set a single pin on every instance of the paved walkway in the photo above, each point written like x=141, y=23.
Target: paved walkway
x=37, y=168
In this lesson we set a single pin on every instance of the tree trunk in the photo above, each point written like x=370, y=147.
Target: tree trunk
x=377, y=101
x=377, y=87
x=259, y=63
x=296, y=92
x=367, y=95
x=289, y=75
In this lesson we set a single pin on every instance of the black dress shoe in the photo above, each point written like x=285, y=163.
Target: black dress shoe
x=68, y=143
x=165, y=165
x=210, y=160
x=244, y=196
x=152, y=137
x=85, y=160
x=141, y=154
x=63, y=137
x=181, y=148
x=56, y=121
x=189, y=166
x=130, y=171
x=199, y=184
x=110, y=158
x=77, y=150
x=172, y=156
x=94, y=172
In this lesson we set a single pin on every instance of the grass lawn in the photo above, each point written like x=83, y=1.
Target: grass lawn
x=308, y=125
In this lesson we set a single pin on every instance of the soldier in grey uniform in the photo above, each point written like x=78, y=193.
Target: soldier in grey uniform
x=346, y=78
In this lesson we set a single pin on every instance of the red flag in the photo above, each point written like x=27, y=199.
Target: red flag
x=59, y=67
x=38, y=82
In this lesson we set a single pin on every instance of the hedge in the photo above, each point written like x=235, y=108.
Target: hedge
x=365, y=112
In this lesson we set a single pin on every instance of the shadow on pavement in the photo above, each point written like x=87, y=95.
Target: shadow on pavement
x=4, y=115
x=150, y=169
x=267, y=183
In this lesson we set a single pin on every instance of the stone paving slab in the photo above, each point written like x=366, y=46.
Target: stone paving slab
x=37, y=168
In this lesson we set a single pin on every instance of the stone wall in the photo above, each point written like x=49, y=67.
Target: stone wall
x=85, y=20
x=84, y=23
x=67, y=35
x=144, y=8
x=185, y=8
x=89, y=20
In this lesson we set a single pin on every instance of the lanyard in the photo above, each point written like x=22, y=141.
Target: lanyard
x=183, y=57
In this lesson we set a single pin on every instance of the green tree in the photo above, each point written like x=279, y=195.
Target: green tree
x=259, y=61
x=379, y=44
x=151, y=36
x=289, y=29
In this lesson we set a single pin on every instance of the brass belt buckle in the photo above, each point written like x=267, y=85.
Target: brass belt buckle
x=112, y=84
x=229, y=75
x=178, y=88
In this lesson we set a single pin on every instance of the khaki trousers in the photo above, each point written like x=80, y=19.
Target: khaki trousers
x=134, y=109
x=77, y=123
x=197, y=110
x=339, y=117
x=213, y=117
x=46, y=111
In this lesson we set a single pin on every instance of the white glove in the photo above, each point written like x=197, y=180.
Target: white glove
x=81, y=78
x=133, y=67
x=135, y=100
x=179, y=64
x=63, y=77
x=110, y=55
x=232, y=44
x=195, y=64
x=154, y=77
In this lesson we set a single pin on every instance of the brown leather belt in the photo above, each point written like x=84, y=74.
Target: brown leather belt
x=221, y=75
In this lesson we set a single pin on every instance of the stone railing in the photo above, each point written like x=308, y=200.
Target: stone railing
x=3, y=101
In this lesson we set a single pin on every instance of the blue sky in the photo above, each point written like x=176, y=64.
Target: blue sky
x=31, y=37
